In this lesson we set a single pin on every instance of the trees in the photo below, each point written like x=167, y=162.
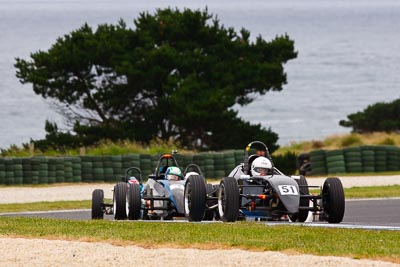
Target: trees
x=176, y=75
x=375, y=118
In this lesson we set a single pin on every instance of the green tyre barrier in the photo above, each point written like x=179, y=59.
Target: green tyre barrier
x=368, y=158
x=10, y=178
x=130, y=160
x=9, y=169
x=52, y=170
x=98, y=174
x=380, y=159
x=77, y=179
x=336, y=164
x=239, y=156
x=334, y=158
x=35, y=177
x=318, y=164
x=68, y=170
x=219, y=174
x=229, y=161
x=337, y=170
x=352, y=159
x=332, y=153
x=318, y=156
x=107, y=161
x=354, y=168
x=59, y=162
x=2, y=177
x=43, y=177
x=59, y=176
x=2, y=172
x=109, y=175
x=117, y=166
x=208, y=171
x=219, y=164
x=97, y=164
x=18, y=173
x=87, y=177
x=318, y=171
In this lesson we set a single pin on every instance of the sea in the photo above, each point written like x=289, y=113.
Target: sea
x=348, y=57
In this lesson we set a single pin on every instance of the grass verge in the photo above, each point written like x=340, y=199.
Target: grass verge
x=373, y=191
x=45, y=205
x=369, y=191
x=354, y=243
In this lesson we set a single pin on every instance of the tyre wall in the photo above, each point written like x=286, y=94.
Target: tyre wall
x=362, y=159
x=74, y=169
x=318, y=162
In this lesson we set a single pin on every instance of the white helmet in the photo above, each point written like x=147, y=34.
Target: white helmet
x=261, y=166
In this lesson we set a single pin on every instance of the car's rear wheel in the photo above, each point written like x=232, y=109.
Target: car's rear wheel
x=120, y=201
x=195, y=198
x=333, y=200
x=228, y=199
x=97, y=204
x=302, y=215
x=134, y=201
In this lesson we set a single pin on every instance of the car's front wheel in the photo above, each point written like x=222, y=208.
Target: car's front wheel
x=333, y=200
x=228, y=199
x=134, y=202
x=302, y=215
x=97, y=204
x=120, y=201
x=195, y=198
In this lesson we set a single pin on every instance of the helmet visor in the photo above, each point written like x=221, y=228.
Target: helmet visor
x=262, y=171
x=172, y=177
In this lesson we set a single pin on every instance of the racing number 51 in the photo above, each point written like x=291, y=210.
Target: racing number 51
x=288, y=190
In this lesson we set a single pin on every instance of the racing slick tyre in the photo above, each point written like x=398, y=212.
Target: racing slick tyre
x=302, y=215
x=228, y=199
x=120, y=201
x=97, y=203
x=195, y=198
x=333, y=201
x=134, y=202
x=209, y=214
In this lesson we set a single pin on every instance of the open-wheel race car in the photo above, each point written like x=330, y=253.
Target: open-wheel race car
x=123, y=206
x=161, y=197
x=257, y=189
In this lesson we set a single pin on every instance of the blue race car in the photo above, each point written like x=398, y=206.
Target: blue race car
x=160, y=198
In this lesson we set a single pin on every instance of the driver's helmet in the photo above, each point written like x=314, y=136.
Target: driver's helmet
x=173, y=173
x=133, y=180
x=261, y=166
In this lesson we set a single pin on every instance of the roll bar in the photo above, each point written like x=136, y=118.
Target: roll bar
x=260, y=146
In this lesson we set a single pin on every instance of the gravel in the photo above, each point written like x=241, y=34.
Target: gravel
x=41, y=252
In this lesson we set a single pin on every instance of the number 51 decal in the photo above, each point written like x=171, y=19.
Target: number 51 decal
x=288, y=190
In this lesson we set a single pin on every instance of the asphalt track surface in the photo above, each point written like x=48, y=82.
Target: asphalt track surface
x=378, y=214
